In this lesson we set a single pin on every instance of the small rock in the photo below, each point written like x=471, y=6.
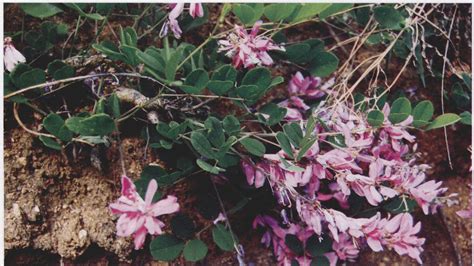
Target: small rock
x=16, y=210
x=82, y=233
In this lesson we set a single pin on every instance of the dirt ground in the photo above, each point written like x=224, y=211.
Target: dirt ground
x=56, y=206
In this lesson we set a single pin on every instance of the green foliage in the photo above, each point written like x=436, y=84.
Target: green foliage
x=223, y=237
x=294, y=244
x=182, y=226
x=324, y=64
x=40, y=10
x=399, y=204
x=195, y=82
x=443, y=120
x=307, y=10
x=400, y=110
x=334, y=9
x=59, y=70
x=248, y=13
x=316, y=247
x=76, y=7
x=388, y=17
x=50, y=143
x=231, y=125
x=375, y=118
x=271, y=114
x=253, y=146
x=55, y=124
x=94, y=125
x=195, y=250
x=279, y=11
x=466, y=118
x=422, y=113
x=222, y=80
x=284, y=143
x=166, y=247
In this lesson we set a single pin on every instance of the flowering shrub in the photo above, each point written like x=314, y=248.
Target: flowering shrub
x=341, y=168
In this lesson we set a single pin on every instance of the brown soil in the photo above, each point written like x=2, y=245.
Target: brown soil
x=56, y=206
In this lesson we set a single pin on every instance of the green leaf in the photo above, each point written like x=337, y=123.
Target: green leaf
x=293, y=243
x=276, y=81
x=251, y=93
x=223, y=80
x=195, y=82
x=422, y=113
x=298, y=52
x=110, y=50
x=40, y=10
x=16, y=73
x=248, y=13
x=466, y=118
x=215, y=131
x=231, y=125
x=93, y=16
x=253, y=146
x=324, y=64
x=182, y=226
x=294, y=133
x=95, y=125
x=400, y=110
x=201, y=144
x=290, y=167
x=259, y=76
x=55, y=125
x=279, y=11
x=50, y=143
x=32, y=77
x=220, y=87
x=64, y=73
x=320, y=261
x=334, y=9
x=171, y=66
x=151, y=59
x=166, y=247
x=305, y=146
x=113, y=105
x=284, y=143
x=222, y=237
x=308, y=10
x=316, y=247
x=208, y=167
x=388, y=17
x=195, y=250
x=443, y=120
x=275, y=112
x=375, y=118
x=400, y=204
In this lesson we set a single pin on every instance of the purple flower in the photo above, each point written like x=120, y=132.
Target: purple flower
x=248, y=49
x=195, y=10
x=11, y=56
x=138, y=216
x=305, y=86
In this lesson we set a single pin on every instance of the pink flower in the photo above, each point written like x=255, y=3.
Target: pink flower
x=307, y=87
x=399, y=234
x=11, y=56
x=195, y=10
x=345, y=248
x=255, y=175
x=248, y=49
x=137, y=216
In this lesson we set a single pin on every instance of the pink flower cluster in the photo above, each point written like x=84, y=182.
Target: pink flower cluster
x=248, y=49
x=195, y=10
x=138, y=216
x=349, y=157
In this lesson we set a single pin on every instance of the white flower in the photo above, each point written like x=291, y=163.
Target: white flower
x=11, y=56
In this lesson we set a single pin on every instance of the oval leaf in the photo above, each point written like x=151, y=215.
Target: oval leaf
x=166, y=247
x=444, y=120
x=253, y=146
x=375, y=118
x=400, y=110
x=195, y=250
x=222, y=237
